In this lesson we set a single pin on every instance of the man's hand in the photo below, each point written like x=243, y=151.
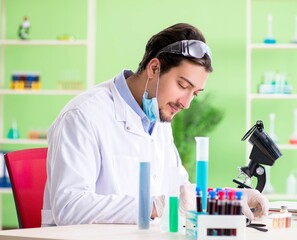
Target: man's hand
x=158, y=206
x=187, y=198
x=255, y=205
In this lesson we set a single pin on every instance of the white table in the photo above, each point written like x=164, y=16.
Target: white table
x=3, y=191
x=131, y=232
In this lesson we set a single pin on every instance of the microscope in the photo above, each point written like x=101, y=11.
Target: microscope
x=264, y=152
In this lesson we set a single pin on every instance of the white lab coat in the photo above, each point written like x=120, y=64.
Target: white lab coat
x=94, y=149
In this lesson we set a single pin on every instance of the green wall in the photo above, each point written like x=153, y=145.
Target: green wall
x=123, y=28
x=126, y=29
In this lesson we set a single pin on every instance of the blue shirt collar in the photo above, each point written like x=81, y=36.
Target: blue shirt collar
x=122, y=87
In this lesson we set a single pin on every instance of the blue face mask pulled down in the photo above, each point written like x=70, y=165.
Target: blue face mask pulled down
x=150, y=107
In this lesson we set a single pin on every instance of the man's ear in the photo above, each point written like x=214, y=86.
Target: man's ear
x=153, y=67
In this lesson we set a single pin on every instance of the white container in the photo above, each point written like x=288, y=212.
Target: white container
x=291, y=185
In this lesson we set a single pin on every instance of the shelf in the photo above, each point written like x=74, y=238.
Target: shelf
x=286, y=197
x=23, y=141
x=38, y=92
x=43, y=42
x=287, y=146
x=272, y=96
x=88, y=45
x=5, y=190
x=281, y=46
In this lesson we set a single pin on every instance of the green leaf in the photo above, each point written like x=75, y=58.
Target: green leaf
x=199, y=120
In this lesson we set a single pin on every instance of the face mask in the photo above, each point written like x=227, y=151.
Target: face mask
x=151, y=106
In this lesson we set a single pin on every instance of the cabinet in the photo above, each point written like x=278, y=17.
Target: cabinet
x=278, y=57
x=57, y=60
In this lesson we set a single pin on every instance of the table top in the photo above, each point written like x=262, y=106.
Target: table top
x=131, y=232
x=5, y=190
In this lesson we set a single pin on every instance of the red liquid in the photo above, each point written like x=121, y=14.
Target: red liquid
x=293, y=141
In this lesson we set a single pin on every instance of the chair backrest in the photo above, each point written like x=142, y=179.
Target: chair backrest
x=27, y=173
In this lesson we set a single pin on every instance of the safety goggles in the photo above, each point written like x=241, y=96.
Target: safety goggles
x=188, y=48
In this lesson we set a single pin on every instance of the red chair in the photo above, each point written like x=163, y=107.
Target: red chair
x=27, y=173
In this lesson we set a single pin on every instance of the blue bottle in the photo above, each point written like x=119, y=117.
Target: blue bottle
x=202, y=168
x=144, y=195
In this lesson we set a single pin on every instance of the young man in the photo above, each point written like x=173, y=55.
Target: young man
x=96, y=143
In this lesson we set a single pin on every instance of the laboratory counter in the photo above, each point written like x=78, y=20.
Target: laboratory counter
x=122, y=231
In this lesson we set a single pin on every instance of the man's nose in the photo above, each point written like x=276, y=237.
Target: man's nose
x=185, y=101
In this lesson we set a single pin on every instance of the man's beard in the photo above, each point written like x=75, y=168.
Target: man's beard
x=164, y=117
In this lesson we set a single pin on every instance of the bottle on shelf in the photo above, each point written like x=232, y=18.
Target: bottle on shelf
x=295, y=36
x=23, y=31
x=268, y=189
x=13, y=132
x=291, y=184
x=293, y=137
x=272, y=127
x=269, y=38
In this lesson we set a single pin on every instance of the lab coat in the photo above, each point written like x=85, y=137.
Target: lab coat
x=94, y=149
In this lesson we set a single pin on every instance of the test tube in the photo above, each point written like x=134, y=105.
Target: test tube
x=144, y=195
x=230, y=208
x=221, y=208
x=208, y=197
x=237, y=210
x=212, y=210
x=173, y=214
x=230, y=202
x=202, y=168
x=198, y=199
x=173, y=200
x=238, y=203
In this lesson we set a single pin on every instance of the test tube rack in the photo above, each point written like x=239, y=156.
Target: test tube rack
x=237, y=222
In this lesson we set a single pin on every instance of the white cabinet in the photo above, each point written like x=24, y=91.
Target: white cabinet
x=262, y=57
x=49, y=91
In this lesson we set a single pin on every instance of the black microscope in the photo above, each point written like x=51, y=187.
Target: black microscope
x=264, y=152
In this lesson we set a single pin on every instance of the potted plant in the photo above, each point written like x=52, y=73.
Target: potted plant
x=200, y=119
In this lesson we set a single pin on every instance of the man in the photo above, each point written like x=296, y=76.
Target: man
x=97, y=141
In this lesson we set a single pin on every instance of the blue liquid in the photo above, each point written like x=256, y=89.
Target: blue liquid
x=144, y=196
x=269, y=41
x=201, y=180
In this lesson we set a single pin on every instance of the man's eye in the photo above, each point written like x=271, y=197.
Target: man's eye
x=182, y=86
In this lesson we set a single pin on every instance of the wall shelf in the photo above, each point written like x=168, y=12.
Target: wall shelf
x=278, y=46
x=287, y=146
x=44, y=42
x=87, y=61
x=259, y=106
x=272, y=96
x=23, y=141
x=38, y=92
x=283, y=197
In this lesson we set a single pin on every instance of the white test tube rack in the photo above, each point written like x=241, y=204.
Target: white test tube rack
x=237, y=222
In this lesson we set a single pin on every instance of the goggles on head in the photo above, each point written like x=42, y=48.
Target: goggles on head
x=188, y=48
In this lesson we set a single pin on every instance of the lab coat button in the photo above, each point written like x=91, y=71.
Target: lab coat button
x=128, y=128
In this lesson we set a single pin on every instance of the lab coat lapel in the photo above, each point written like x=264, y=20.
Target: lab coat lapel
x=124, y=113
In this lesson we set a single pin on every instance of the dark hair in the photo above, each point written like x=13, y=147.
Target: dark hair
x=175, y=33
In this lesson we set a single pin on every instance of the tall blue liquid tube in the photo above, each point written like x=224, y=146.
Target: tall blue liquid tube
x=144, y=210
x=202, y=168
